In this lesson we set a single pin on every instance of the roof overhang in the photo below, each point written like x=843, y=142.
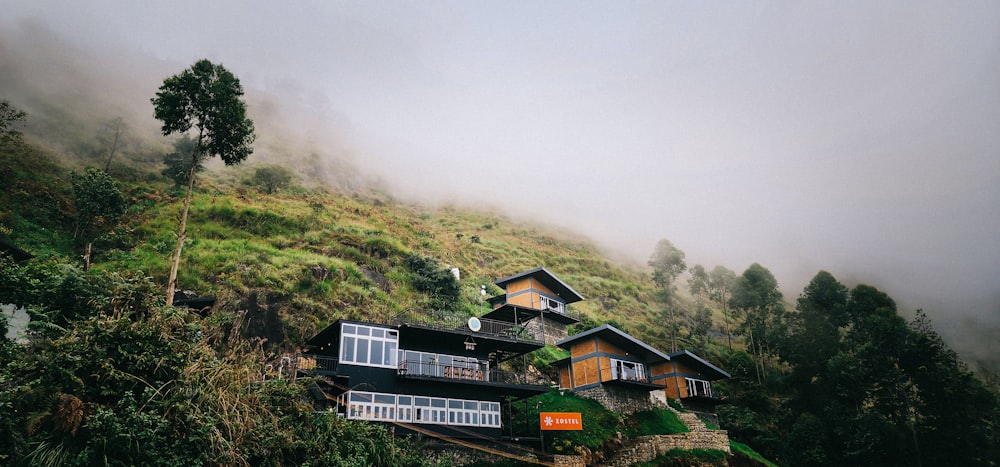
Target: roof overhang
x=620, y=339
x=547, y=279
x=700, y=364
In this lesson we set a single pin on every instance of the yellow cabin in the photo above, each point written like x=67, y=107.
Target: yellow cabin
x=536, y=294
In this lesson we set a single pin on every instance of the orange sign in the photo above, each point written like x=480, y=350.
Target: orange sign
x=560, y=421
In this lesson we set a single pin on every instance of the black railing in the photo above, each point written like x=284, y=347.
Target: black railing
x=456, y=322
x=317, y=363
x=446, y=371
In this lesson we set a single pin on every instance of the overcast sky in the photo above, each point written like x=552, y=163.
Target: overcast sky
x=858, y=137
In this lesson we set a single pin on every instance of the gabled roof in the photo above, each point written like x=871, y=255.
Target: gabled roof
x=14, y=252
x=613, y=335
x=547, y=279
x=701, y=364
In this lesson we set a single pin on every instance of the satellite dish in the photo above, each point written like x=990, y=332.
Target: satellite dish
x=474, y=324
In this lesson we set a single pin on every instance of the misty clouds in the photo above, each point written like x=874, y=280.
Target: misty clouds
x=857, y=138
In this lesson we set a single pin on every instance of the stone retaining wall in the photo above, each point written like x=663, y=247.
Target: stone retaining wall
x=568, y=461
x=645, y=448
x=620, y=400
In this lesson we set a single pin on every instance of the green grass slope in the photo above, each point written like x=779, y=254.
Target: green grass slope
x=310, y=256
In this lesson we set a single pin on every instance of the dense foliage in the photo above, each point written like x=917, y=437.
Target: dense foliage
x=110, y=375
x=120, y=379
x=861, y=386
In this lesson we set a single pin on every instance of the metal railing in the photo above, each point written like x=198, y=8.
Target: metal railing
x=317, y=363
x=459, y=323
x=458, y=372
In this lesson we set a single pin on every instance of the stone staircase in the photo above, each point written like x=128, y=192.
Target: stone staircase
x=690, y=420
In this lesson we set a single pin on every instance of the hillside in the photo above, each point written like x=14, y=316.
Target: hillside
x=321, y=254
x=285, y=264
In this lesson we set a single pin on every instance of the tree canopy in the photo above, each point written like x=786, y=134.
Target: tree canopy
x=667, y=262
x=98, y=199
x=10, y=118
x=208, y=98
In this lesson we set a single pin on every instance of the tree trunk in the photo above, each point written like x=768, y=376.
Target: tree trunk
x=725, y=314
x=86, y=258
x=673, y=329
x=114, y=145
x=182, y=232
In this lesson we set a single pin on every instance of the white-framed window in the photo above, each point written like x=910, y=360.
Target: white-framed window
x=430, y=410
x=376, y=406
x=404, y=409
x=698, y=387
x=553, y=305
x=369, y=345
x=629, y=371
x=489, y=414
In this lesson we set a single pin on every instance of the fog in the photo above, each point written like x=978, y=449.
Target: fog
x=856, y=137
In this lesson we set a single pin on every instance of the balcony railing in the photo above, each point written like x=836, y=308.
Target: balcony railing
x=317, y=363
x=321, y=364
x=411, y=368
x=457, y=322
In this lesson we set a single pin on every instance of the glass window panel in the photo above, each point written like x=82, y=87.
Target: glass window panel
x=385, y=398
x=412, y=361
x=377, y=332
x=364, y=331
x=361, y=397
x=347, y=349
x=426, y=368
x=350, y=329
x=405, y=400
x=422, y=401
x=376, y=352
x=362, y=354
x=455, y=404
x=390, y=354
x=438, y=403
x=470, y=405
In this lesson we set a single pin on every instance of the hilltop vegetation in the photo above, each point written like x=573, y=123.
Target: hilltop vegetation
x=110, y=374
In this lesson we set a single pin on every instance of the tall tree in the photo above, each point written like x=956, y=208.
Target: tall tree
x=205, y=98
x=10, y=118
x=827, y=297
x=271, y=177
x=721, y=281
x=113, y=136
x=813, y=333
x=718, y=286
x=698, y=283
x=99, y=203
x=667, y=262
x=756, y=293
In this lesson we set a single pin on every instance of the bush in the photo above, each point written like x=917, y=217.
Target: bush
x=437, y=282
x=271, y=178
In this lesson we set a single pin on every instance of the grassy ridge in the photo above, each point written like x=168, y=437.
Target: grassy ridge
x=316, y=255
x=331, y=254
